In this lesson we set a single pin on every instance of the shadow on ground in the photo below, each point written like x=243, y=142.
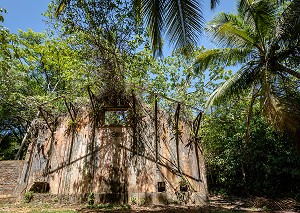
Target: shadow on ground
x=169, y=209
x=217, y=204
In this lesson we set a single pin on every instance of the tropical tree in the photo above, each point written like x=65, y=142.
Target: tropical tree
x=180, y=20
x=268, y=166
x=264, y=38
x=34, y=69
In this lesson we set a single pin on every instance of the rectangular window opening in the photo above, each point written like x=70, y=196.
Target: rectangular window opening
x=116, y=118
x=161, y=186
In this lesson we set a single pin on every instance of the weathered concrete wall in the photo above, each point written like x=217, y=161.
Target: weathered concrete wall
x=10, y=172
x=109, y=162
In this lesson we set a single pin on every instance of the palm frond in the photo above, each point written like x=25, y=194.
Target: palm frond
x=137, y=8
x=282, y=104
x=214, y=3
x=223, y=57
x=238, y=83
x=283, y=69
x=153, y=12
x=288, y=28
x=183, y=20
x=279, y=2
x=228, y=30
x=259, y=15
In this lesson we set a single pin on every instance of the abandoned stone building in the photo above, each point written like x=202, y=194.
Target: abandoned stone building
x=121, y=151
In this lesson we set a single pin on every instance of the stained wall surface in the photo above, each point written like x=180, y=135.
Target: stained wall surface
x=118, y=164
x=9, y=178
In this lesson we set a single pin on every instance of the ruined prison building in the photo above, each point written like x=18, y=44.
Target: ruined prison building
x=120, y=151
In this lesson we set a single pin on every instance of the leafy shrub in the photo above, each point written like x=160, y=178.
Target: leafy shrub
x=267, y=166
x=133, y=200
x=28, y=196
x=91, y=198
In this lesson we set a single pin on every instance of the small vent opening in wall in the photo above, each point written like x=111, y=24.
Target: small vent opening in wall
x=161, y=186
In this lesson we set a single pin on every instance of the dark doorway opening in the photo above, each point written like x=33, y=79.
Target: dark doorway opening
x=40, y=187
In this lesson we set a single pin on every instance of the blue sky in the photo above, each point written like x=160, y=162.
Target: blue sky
x=24, y=14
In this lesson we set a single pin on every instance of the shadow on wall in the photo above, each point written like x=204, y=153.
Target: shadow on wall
x=106, y=160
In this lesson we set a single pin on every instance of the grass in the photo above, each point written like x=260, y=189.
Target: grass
x=110, y=206
x=52, y=211
x=36, y=208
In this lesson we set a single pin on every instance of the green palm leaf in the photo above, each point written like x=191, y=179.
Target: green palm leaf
x=213, y=3
x=223, y=57
x=259, y=16
x=152, y=11
x=282, y=104
x=228, y=30
x=180, y=21
x=183, y=19
x=238, y=83
x=269, y=45
x=288, y=27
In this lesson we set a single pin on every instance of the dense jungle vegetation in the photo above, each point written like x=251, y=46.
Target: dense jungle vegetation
x=250, y=132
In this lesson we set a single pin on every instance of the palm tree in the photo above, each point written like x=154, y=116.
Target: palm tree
x=264, y=38
x=180, y=20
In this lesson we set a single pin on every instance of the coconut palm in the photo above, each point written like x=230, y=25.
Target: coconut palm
x=180, y=20
x=264, y=38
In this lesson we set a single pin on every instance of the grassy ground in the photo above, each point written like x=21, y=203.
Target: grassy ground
x=36, y=208
x=46, y=208
x=217, y=205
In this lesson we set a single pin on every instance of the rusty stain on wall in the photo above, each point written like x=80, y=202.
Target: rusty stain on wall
x=116, y=162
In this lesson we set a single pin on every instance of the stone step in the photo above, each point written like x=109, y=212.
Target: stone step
x=10, y=172
x=8, y=200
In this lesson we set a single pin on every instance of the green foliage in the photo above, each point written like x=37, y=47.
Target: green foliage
x=261, y=39
x=137, y=201
x=91, y=199
x=34, y=69
x=28, y=196
x=110, y=206
x=2, y=10
x=105, y=35
x=179, y=21
x=133, y=200
x=52, y=211
x=172, y=77
x=110, y=50
x=9, y=146
x=267, y=166
x=98, y=49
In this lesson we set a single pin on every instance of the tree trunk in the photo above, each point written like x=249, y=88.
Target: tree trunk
x=250, y=112
x=17, y=157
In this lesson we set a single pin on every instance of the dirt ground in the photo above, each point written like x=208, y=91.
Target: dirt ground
x=216, y=204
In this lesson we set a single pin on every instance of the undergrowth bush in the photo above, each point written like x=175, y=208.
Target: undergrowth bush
x=268, y=166
x=28, y=196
